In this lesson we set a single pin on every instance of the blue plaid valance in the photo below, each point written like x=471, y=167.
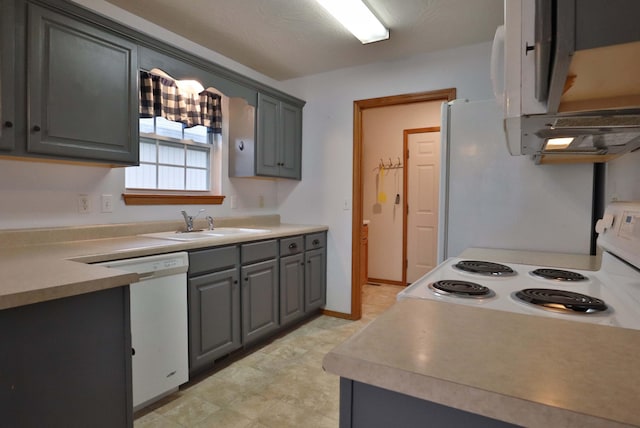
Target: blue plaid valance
x=161, y=97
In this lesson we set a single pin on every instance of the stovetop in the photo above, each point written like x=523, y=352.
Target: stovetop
x=619, y=294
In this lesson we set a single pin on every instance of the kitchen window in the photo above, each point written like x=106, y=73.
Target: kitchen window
x=180, y=136
x=172, y=157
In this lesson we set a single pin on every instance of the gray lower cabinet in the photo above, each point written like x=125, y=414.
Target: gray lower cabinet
x=291, y=288
x=7, y=76
x=241, y=294
x=67, y=362
x=83, y=90
x=315, y=280
x=214, y=317
x=260, y=285
x=213, y=295
x=366, y=406
x=279, y=138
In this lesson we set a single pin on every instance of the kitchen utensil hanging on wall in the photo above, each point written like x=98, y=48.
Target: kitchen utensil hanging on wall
x=382, y=196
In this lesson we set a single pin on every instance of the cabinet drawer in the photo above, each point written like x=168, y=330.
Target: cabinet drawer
x=212, y=259
x=258, y=251
x=315, y=240
x=292, y=245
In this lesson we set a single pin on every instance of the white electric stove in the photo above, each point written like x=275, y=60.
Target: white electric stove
x=609, y=296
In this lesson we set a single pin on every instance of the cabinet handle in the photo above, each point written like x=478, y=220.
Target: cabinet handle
x=235, y=281
x=246, y=278
x=316, y=242
x=36, y=128
x=302, y=264
x=293, y=246
x=8, y=124
x=133, y=351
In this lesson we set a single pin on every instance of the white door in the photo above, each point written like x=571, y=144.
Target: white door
x=422, y=203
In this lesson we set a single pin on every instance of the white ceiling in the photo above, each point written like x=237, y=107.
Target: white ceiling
x=284, y=39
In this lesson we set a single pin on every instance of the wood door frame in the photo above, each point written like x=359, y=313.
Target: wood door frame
x=405, y=190
x=444, y=95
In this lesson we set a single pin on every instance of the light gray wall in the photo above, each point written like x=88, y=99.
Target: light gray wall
x=623, y=178
x=327, y=153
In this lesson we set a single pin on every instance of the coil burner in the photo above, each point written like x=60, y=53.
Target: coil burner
x=558, y=275
x=459, y=288
x=484, y=268
x=561, y=300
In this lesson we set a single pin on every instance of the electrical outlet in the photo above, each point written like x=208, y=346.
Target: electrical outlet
x=84, y=204
x=107, y=203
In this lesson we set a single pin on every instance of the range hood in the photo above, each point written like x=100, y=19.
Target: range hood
x=596, y=136
x=571, y=73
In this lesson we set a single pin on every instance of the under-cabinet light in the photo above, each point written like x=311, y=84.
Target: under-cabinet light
x=558, y=143
x=357, y=18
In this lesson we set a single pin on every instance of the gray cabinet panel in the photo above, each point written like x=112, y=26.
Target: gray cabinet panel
x=315, y=279
x=212, y=259
x=291, y=141
x=315, y=240
x=258, y=251
x=8, y=123
x=67, y=362
x=259, y=300
x=291, y=288
x=83, y=96
x=279, y=138
x=367, y=406
x=214, y=317
x=290, y=246
x=268, y=135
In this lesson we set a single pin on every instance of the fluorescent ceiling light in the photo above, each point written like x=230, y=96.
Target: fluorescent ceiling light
x=357, y=18
x=558, y=143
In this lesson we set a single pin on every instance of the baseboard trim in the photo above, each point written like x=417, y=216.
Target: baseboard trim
x=385, y=281
x=338, y=315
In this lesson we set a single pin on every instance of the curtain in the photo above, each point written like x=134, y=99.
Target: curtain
x=161, y=97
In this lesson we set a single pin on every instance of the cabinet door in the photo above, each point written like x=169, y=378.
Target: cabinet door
x=291, y=288
x=259, y=300
x=83, y=96
x=315, y=279
x=268, y=130
x=291, y=141
x=214, y=317
x=7, y=75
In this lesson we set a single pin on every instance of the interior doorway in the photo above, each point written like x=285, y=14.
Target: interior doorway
x=359, y=170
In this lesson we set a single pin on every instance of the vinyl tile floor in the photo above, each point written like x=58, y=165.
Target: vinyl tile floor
x=279, y=385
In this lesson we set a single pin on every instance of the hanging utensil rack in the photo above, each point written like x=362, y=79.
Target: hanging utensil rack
x=389, y=165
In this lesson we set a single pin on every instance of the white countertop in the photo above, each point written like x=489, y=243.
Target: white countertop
x=34, y=272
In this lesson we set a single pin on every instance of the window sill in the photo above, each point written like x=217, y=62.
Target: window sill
x=156, y=199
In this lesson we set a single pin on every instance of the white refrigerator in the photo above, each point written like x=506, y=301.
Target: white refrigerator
x=491, y=199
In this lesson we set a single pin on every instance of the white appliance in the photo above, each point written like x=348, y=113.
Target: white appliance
x=491, y=199
x=609, y=296
x=567, y=70
x=159, y=335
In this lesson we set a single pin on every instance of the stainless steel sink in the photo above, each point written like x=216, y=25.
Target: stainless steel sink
x=218, y=232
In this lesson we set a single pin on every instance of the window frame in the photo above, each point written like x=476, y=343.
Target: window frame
x=147, y=196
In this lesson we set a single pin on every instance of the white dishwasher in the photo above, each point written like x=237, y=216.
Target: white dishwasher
x=160, y=361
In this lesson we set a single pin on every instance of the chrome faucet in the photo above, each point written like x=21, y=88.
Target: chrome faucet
x=210, y=220
x=189, y=219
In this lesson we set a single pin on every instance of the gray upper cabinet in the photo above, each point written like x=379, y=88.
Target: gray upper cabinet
x=7, y=76
x=279, y=138
x=83, y=90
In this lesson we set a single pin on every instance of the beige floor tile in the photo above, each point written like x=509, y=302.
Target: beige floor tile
x=188, y=410
x=225, y=418
x=155, y=420
x=285, y=415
